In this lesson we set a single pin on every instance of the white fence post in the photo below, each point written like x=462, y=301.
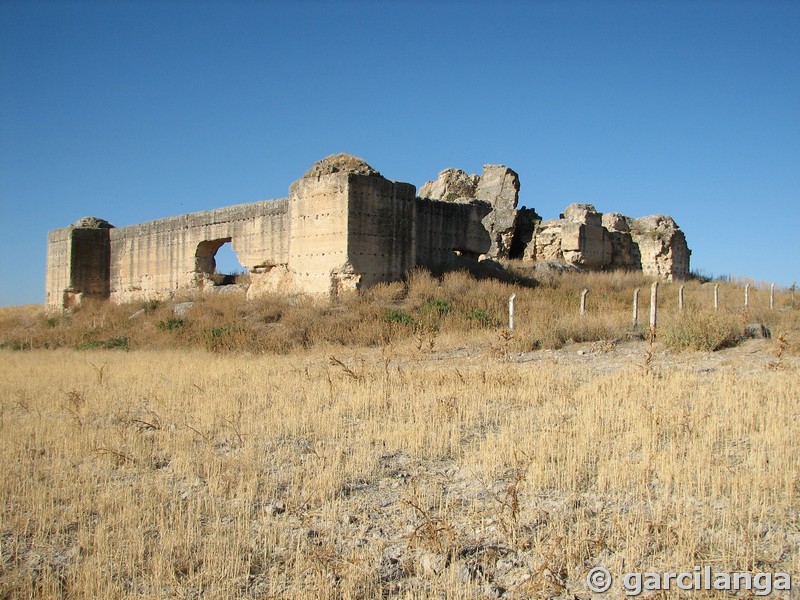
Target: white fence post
x=716, y=296
x=772, y=296
x=636, y=308
x=653, y=309
x=511, y=312
x=747, y=295
x=680, y=298
x=583, y=301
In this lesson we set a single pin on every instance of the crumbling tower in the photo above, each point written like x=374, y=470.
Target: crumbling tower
x=79, y=263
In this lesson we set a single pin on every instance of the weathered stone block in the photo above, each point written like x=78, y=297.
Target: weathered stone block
x=584, y=214
x=499, y=186
x=452, y=185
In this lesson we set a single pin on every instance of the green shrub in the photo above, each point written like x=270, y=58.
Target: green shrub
x=398, y=316
x=171, y=324
x=117, y=343
x=482, y=318
x=14, y=345
x=218, y=331
x=90, y=345
x=114, y=343
x=439, y=307
x=701, y=331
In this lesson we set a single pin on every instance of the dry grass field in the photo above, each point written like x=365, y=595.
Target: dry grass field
x=286, y=450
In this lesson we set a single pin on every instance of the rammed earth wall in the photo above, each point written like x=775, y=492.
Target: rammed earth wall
x=343, y=226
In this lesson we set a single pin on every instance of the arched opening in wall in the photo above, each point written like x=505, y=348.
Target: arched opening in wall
x=217, y=262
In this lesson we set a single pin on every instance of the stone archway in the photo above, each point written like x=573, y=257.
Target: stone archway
x=204, y=260
x=206, y=263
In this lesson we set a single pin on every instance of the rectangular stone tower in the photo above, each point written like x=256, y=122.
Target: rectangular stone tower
x=78, y=263
x=349, y=230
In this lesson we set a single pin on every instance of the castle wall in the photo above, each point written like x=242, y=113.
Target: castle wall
x=57, y=273
x=662, y=247
x=318, y=217
x=78, y=260
x=654, y=244
x=586, y=244
x=90, y=256
x=349, y=230
x=663, y=254
x=446, y=231
x=381, y=228
x=344, y=227
x=679, y=267
x=156, y=259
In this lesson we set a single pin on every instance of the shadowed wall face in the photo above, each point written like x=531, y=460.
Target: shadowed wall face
x=446, y=231
x=78, y=264
x=348, y=231
x=380, y=228
x=90, y=256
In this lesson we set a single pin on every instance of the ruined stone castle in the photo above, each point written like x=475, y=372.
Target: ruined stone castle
x=344, y=227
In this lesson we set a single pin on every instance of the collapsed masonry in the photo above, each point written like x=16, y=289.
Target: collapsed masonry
x=344, y=226
x=581, y=236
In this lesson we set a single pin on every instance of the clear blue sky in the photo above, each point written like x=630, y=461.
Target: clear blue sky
x=133, y=111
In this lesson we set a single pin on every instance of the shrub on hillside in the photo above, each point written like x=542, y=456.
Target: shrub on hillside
x=398, y=316
x=171, y=324
x=481, y=318
x=114, y=343
x=701, y=331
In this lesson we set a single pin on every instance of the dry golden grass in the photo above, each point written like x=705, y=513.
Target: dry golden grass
x=389, y=472
x=400, y=442
x=547, y=316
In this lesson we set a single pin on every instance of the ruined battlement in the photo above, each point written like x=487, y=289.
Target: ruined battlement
x=344, y=226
